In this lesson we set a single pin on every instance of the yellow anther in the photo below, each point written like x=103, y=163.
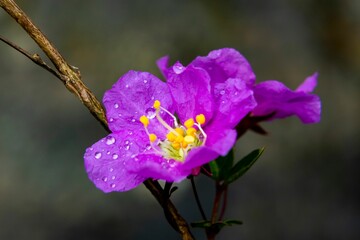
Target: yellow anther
x=157, y=104
x=152, y=137
x=176, y=145
x=179, y=139
x=184, y=144
x=171, y=136
x=191, y=131
x=189, y=123
x=200, y=119
x=144, y=120
x=189, y=139
x=179, y=131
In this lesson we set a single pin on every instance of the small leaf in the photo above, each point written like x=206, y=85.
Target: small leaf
x=214, y=168
x=201, y=224
x=225, y=164
x=243, y=165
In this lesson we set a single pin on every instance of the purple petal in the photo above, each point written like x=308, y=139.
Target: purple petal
x=309, y=84
x=198, y=157
x=235, y=100
x=156, y=167
x=226, y=63
x=274, y=97
x=220, y=140
x=163, y=64
x=191, y=91
x=131, y=97
x=105, y=161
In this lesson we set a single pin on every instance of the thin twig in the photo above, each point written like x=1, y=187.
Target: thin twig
x=33, y=57
x=197, y=198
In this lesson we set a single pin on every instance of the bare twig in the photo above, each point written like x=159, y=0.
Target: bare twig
x=71, y=78
x=33, y=57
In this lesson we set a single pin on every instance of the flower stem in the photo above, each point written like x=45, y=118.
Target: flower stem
x=219, y=190
x=197, y=198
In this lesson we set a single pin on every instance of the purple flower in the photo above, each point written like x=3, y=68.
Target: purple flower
x=275, y=99
x=165, y=130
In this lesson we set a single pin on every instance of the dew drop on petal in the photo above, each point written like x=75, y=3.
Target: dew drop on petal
x=105, y=179
x=115, y=156
x=108, y=152
x=116, y=105
x=112, y=185
x=98, y=155
x=113, y=178
x=127, y=147
x=111, y=119
x=127, y=86
x=133, y=120
x=178, y=68
x=111, y=169
x=130, y=132
x=145, y=81
x=222, y=92
x=150, y=113
x=110, y=140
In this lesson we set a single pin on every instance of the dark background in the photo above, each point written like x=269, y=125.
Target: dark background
x=305, y=186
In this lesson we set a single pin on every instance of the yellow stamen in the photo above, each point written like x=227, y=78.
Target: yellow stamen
x=152, y=137
x=179, y=139
x=189, y=123
x=157, y=104
x=179, y=131
x=176, y=145
x=170, y=136
x=191, y=131
x=200, y=119
x=189, y=139
x=144, y=120
x=184, y=144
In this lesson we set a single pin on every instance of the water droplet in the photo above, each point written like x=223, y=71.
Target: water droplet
x=105, y=179
x=130, y=132
x=108, y=152
x=133, y=120
x=178, y=68
x=126, y=142
x=150, y=113
x=115, y=156
x=127, y=86
x=112, y=185
x=236, y=93
x=113, y=177
x=148, y=147
x=111, y=169
x=127, y=147
x=116, y=105
x=98, y=155
x=145, y=81
x=111, y=120
x=222, y=92
x=152, y=98
x=110, y=140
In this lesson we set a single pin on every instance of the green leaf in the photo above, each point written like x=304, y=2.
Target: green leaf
x=225, y=164
x=214, y=168
x=243, y=165
x=217, y=226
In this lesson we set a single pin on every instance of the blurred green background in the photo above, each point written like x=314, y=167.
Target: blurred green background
x=305, y=186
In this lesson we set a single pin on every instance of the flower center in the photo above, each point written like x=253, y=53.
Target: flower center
x=180, y=139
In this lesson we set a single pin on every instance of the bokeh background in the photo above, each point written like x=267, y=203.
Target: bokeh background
x=305, y=186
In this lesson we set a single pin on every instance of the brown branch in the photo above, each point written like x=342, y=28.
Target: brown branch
x=71, y=78
x=69, y=75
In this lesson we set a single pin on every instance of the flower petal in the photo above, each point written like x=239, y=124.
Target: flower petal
x=191, y=91
x=309, y=84
x=226, y=63
x=156, y=167
x=235, y=100
x=131, y=97
x=274, y=97
x=105, y=161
